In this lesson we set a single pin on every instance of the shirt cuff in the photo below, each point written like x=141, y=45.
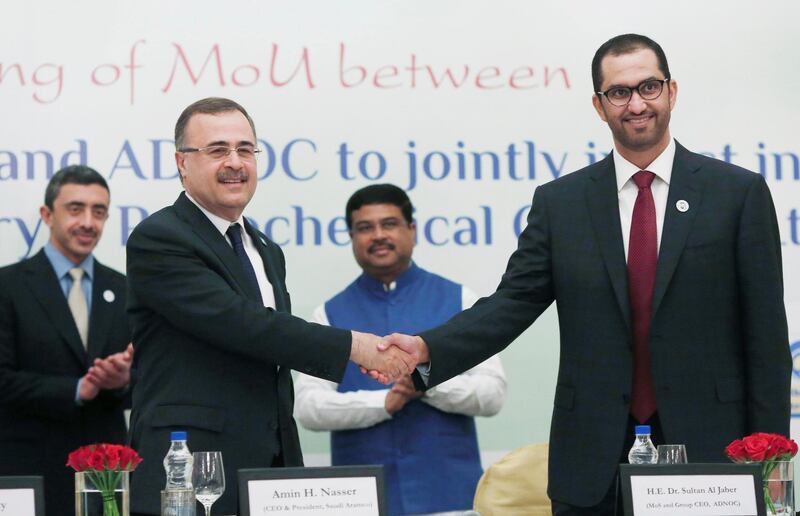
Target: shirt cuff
x=424, y=371
x=79, y=401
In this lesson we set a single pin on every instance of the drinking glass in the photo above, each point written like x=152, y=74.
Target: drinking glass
x=208, y=478
x=672, y=454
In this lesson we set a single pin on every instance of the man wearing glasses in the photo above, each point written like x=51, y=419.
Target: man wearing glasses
x=404, y=430
x=210, y=317
x=665, y=266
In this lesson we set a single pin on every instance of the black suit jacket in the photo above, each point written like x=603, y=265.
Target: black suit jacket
x=207, y=351
x=41, y=360
x=719, y=343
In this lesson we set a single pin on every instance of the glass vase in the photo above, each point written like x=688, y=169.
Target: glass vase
x=779, y=487
x=102, y=493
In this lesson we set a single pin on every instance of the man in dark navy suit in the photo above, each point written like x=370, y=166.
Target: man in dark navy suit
x=65, y=355
x=211, y=317
x=665, y=267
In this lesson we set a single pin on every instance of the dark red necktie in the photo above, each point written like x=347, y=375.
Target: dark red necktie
x=642, y=258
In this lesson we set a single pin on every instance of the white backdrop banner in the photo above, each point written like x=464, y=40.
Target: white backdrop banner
x=467, y=105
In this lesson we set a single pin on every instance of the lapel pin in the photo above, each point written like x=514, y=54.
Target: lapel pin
x=109, y=296
x=683, y=206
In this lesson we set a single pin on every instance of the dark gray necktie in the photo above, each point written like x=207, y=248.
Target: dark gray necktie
x=235, y=234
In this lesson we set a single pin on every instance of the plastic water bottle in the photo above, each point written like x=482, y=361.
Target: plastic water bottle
x=177, y=498
x=643, y=451
x=178, y=463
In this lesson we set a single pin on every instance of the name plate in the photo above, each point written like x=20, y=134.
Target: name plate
x=334, y=491
x=692, y=490
x=21, y=496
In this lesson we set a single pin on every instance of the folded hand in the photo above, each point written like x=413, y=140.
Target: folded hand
x=112, y=372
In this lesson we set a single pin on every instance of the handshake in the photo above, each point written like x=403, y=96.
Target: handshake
x=389, y=358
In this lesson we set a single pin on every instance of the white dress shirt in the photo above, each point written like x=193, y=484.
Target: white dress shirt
x=222, y=225
x=627, y=189
x=480, y=391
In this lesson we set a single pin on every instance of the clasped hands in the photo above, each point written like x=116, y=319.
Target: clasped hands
x=389, y=358
x=111, y=372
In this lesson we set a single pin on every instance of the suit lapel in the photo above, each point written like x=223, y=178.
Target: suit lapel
x=218, y=243
x=684, y=186
x=603, y=201
x=100, y=318
x=270, y=266
x=45, y=287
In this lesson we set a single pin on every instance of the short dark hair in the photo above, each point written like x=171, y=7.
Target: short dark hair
x=73, y=174
x=625, y=44
x=379, y=194
x=208, y=106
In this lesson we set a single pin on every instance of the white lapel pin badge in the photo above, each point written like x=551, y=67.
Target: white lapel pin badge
x=682, y=206
x=109, y=296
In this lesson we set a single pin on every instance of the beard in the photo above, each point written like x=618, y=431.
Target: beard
x=643, y=139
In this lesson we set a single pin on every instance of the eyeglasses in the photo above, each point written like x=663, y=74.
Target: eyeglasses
x=368, y=228
x=620, y=96
x=245, y=152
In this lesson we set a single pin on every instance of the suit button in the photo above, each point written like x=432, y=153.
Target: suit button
x=274, y=425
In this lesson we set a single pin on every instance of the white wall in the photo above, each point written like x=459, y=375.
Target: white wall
x=112, y=77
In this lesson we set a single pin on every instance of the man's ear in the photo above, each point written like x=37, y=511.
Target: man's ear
x=673, y=93
x=597, y=102
x=46, y=214
x=180, y=161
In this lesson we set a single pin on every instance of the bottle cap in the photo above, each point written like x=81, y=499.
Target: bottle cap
x=642, y=429
x=181, y=436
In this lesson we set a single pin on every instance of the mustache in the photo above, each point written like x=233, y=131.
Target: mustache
x=380, y=243
x=639, y=116
x=235, y=175
x=85, y=232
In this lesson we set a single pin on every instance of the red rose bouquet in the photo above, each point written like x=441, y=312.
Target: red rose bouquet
x=104, y=464
x=769, y=450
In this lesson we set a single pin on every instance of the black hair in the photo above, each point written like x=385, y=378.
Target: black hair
x=73, y=174
x=379, y=194
x=208, y=106
x=625, y=44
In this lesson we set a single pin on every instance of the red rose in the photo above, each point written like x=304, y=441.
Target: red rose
x=762, y=447
x=77, y=460
x=97, y=460
x=128, y=459
x=112, y=456
x=775, y=443
x=104, y=457
x=784, y=448
x=778, y=446
x=756, y=447
x=735, y=451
